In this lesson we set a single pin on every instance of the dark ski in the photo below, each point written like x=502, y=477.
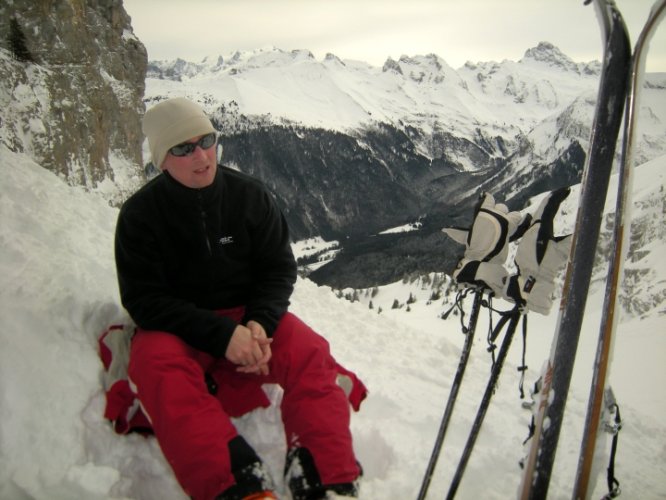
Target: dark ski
x=594, y=185
x=453, y=394
x=598, y=407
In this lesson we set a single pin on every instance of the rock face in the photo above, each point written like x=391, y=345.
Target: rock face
x=76, y=109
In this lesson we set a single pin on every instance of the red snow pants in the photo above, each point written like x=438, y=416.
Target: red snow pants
x=193, y=427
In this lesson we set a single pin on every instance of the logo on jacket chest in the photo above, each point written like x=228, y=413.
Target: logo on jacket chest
x=226, y=240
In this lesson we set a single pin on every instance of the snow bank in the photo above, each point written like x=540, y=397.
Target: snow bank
x=59, y=291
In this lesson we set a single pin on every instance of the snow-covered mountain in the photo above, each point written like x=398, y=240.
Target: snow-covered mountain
x=479, y=100
x=351, y=150
x=422, y=91
x=59, y=292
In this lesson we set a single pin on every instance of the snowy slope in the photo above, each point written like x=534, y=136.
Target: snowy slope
x=59, y=292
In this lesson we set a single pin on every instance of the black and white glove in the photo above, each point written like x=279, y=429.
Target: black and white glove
x=486, y=244
x=540, y=257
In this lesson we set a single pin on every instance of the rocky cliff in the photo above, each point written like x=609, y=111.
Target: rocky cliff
x=76, y=107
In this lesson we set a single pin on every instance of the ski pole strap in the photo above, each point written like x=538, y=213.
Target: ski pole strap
x=460, y=297
x=531, y=427
x=613, y=484
x=493, y=332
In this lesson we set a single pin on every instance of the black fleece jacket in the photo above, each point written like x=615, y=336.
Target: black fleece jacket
x=183, y=253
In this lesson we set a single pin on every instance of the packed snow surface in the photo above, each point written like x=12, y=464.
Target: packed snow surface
x=59, y=292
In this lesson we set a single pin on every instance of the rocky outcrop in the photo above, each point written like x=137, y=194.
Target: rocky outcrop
x=76, y=109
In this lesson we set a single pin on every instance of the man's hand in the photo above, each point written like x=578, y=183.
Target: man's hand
x=250, y=348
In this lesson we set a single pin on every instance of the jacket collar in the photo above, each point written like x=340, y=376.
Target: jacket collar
x=184, y=195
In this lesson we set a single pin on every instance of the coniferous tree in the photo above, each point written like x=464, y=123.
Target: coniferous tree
x=17, y=42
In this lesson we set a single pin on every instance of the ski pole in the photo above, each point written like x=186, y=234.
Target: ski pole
x=514, y=316
x=457, y=380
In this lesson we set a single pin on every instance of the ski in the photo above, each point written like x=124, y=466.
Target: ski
x=469, y=332
x=513, y=317
x=598, y=406
x=594, y=185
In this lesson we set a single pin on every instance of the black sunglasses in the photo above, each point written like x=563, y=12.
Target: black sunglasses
x=187, y=148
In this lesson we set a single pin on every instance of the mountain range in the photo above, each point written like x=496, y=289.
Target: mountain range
x=351, y=150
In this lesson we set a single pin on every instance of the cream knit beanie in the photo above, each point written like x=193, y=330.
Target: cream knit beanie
x=172, y=122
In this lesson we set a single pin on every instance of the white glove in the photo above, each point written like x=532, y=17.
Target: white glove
x=486, y=244
x=540, y=257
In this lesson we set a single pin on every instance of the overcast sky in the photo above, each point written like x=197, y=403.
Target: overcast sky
x=373, y=30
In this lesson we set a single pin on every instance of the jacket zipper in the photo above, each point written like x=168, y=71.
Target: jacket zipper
x=203, y=224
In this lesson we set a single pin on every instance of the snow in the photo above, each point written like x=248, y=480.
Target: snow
x=59, y=292
x=534, y=109
x=313, y=246
x=342, y=95
x=412, y=226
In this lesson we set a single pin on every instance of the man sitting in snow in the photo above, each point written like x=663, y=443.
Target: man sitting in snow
x=206, y=270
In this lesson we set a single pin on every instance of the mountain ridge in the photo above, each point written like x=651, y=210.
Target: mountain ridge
x=420, y=79
x=350, y=149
